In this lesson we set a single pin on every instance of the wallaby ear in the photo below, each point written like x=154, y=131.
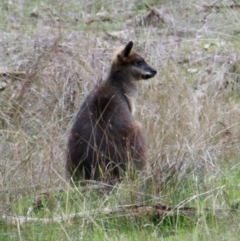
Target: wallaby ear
x=127, y=49
x=125, y=52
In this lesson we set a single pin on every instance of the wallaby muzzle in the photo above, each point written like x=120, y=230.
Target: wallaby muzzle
x=149, y=72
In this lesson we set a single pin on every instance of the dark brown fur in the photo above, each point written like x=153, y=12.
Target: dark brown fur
x=105, y=138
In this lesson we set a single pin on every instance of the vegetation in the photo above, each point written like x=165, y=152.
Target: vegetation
x=54, y=52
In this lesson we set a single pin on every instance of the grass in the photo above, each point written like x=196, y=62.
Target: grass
x=190, y=119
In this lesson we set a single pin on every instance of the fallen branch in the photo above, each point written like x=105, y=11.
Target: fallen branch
x=14, y=75
x=158, y=211
x=218, y=7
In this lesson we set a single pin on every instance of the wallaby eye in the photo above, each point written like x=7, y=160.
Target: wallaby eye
x=139, y=63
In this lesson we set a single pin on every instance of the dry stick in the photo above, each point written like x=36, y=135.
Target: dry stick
x=218, y=7
x=13, y=74
x=161, y=211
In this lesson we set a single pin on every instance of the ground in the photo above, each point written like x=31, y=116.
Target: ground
x=52, y=53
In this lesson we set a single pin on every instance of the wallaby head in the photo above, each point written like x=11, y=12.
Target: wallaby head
x=128, y=62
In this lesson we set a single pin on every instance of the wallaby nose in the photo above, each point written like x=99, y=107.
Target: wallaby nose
x=154, y=72
x=150, y=74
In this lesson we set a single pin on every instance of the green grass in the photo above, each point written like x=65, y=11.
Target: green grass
x=218, y=194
